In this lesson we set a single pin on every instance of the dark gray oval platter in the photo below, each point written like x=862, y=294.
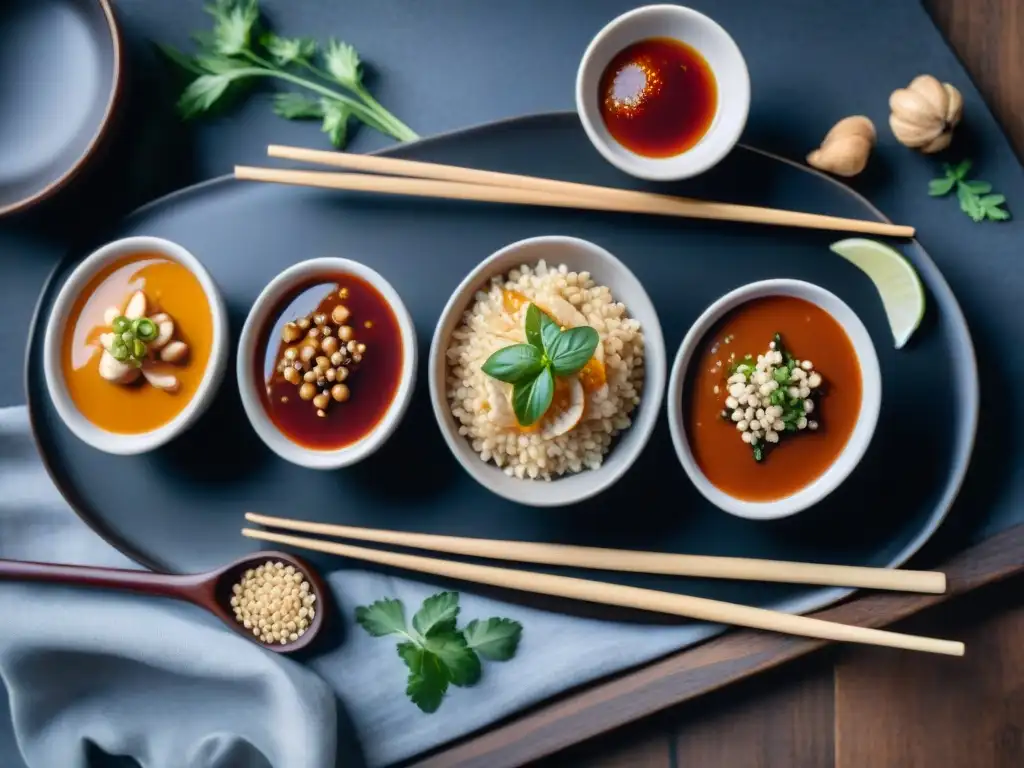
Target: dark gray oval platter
x=60, y=78
x=180, y=509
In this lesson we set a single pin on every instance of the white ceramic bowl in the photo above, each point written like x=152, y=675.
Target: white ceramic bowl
x=261, y=315
x=726, y=63
x=577, y=255
x=856, y=446
x=86, y=431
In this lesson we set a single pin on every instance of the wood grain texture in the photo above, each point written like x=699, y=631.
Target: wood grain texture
x=988, y=35
x=782, y=720
x=902, y=712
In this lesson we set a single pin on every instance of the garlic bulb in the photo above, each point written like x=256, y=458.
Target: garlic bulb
x=846, y=147
x=925, y=113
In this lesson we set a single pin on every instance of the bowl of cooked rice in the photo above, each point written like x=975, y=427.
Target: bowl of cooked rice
x=547, y=371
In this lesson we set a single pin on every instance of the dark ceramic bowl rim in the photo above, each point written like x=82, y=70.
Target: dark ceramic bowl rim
x=71, y=172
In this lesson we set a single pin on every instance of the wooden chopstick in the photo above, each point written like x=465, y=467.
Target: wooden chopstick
x=632, y=561
x=451, y=182
x=698, y=608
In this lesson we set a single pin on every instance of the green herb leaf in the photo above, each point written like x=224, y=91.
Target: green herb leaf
x=342, y=62
x=336, y=116
x=781, y=375
x=461, y=663
x=437, y=614
x=940, y=187
x=233, y=22
x=532, y=326
x=758, y=449
x=978, y=187
x=571, y=350
x=778, y=396
x=295, y=106
x=989, y=201
x=411, y=654
x=494, y=639
x=202, y=93
x=428, y=682
x=184, y=61
x=997, y=214
x=384, y=617
x=515, y=364
x=960, y=172
x=531, y=399
x=549, y=331
x=284, y=50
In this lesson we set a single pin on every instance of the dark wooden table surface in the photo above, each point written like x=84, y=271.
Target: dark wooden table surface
x=872, y=708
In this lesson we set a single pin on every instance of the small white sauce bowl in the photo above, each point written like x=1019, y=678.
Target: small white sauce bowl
x=82, y=428
x=578, y=255
x=723, y=56
x=262, y=315
x=856, y=445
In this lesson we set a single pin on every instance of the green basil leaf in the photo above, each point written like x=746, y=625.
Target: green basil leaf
x=515, y=364
x=571, y=350
x=531, y=400
x=532, y=326
x=940, y=187
x=549, y=331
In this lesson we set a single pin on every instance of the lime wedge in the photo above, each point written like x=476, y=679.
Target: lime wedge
x=894, y=277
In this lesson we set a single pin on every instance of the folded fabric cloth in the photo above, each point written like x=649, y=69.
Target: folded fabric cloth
x=92, y=674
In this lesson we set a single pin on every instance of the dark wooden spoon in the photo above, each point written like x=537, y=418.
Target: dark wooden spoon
x=210, y=590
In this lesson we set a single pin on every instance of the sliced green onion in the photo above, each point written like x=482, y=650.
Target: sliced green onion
x=138, y=349
x=119, y=350
x=145, y=329
x=128, y=337
x=121, y=324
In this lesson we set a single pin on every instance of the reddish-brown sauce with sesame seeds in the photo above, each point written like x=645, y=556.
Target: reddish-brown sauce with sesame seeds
x=658, y=97
x=810, y=333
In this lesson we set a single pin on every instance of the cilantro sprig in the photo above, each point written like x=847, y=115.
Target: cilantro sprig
x=975, y=197
x=236, y=53
x=437, y=653
x=531, y=368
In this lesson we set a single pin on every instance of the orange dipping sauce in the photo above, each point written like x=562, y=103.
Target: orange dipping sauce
x=658, y=97
x=808, y=333
x=136, y=408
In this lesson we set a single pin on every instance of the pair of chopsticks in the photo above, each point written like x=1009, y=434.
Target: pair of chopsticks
x=416, y=178
x=698, y=608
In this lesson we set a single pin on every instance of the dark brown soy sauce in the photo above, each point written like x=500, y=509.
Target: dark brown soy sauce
x=658, y=97
x=372, y=382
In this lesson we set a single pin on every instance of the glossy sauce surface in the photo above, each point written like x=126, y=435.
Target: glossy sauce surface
x=136, y=408
x=658, y=97
x=809, y=333
x=373, y=382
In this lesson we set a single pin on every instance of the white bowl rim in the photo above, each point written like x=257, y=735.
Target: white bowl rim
x=113, y=442
x=266, y=302
x=677, y=167
x=644, y=419
x=856, y=445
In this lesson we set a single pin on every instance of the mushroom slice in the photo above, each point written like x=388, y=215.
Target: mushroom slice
x=165, y=327
x=136, y=306
x=168, y=382
x=115, y=371
x=566, y=409
x=110, y=315
x=498, y=398
x=175, y=352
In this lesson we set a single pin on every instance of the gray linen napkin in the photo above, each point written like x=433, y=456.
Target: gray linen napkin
x=90, y=673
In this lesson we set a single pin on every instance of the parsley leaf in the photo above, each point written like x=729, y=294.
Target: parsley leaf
x=295, y=50
x=437, y=614
x=336, y=117
x=342, y=63
x=436, y=653
x=973, y=195
x=232, y=51
x=295, y=106
x=494, y=639
x=384, y=617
